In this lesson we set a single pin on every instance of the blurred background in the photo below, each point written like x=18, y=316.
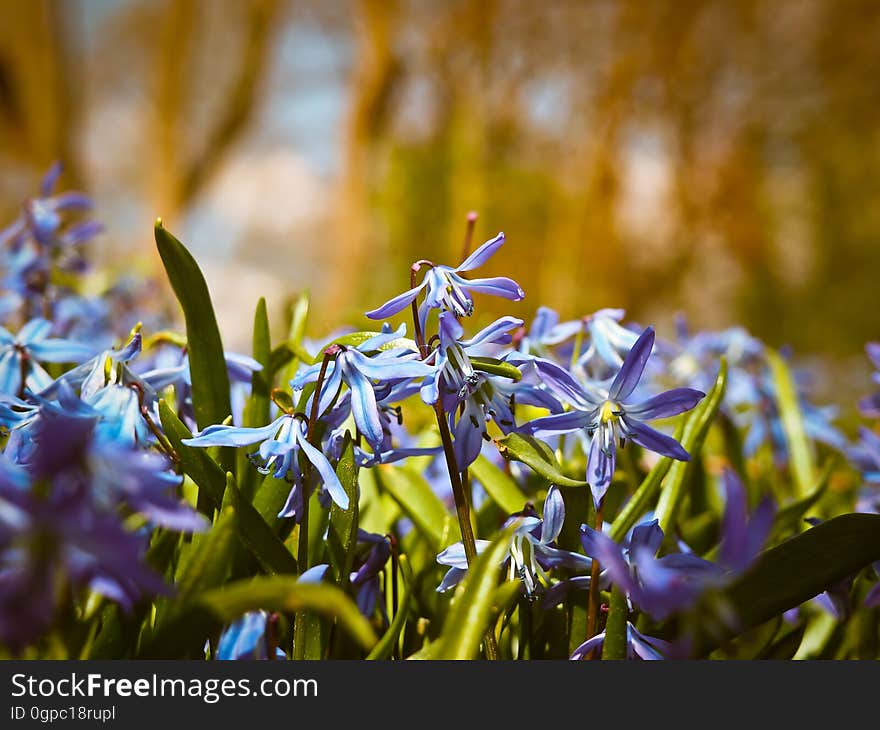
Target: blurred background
x=715, y=158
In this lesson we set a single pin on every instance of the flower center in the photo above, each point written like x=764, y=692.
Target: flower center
x=609, y=411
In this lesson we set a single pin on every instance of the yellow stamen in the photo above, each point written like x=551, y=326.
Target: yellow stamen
x=608, y=412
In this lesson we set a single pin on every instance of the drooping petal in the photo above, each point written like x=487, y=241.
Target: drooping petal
x=364, y=407
x=601, y=462
x=630, y=372
x=482, y=254
x=234, y=435
x=395, y=304
x=670, y=403
x=653, y=440
x=451, y=579
x=325, y=470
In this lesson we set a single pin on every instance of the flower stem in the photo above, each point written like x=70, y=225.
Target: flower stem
x=468, y=234
x=462, y=508
x=595, y=569
x=302, y=550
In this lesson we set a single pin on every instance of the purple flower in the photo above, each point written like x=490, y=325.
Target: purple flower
x=447, y=290
x=608, y=416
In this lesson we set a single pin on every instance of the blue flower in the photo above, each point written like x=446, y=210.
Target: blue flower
x=607, y=416
x=447, y=290
x=531, y=553
x=370, y=380
x=281, y=442
x=21, y=354
x=609, y=341
x=455, y=382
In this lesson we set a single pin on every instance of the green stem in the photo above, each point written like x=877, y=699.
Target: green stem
x=614, y=646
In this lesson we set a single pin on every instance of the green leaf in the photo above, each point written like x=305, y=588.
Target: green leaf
x=471, y=611
x=695, y=430
x=342, y=532
x=795, y=571
x=299, y=318
x=207, y=364
x=385, y=646
x=278, y=593
x=788, y=519
x=208, y=562
x=493, y=366
x=420, y=504
x=353, y=339
x=800, y=454
x=257, y=410
x=499, y=486
x=196, y=463
x=537, y=455
x=257, y=536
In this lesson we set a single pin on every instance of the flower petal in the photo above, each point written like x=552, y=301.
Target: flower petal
x=395, y=304
x=497, y=286
x=482, y=254
x=234, y=435
x=670, y=403
x=633, y=366
x=653, y=440
x=328, y=475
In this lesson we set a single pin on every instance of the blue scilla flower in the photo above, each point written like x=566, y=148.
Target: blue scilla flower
x=531, y=553
x=470, y=397
x=607, y=416
x=446, y=289
x=608, y=341
x=281, y=443
x=378, y=377
x=22, y=353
